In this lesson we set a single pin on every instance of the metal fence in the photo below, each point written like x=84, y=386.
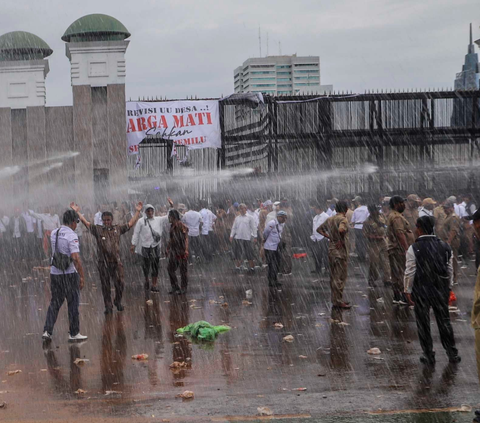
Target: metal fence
x=411, y=141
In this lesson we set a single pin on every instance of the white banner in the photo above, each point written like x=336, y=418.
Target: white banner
x=194, y=124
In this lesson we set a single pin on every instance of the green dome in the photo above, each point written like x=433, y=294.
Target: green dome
x=22, y=45
x=96, y=27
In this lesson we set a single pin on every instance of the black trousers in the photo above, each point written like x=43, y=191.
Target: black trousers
x=439, y=303
x=273, y=261
x=107, y=272
x=360, y=244
x=206, y=246
x=320, y=254
x=151, y=260
x=64, y=287
x=194, y=246
x=173, y=264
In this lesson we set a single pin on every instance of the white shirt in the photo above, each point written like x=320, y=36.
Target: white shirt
x=270, y=216
x=67, y=244
x=460, y=211
x=97, y=219
x=16, y=227
x=317, y=221
x=422, y=211
x=192, y=219
x=208, y=219
x=4, y=221
x=142, y=235
x=29, y=221
x=256, y=217
x=49, y=222
x=360, y=214
x=411, y=268
x=244, y=228
x=272, y=234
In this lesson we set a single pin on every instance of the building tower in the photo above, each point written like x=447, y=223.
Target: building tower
x=96, y=46
x=23, y=69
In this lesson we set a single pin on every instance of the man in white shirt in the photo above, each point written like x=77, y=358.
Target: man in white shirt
x=194, y=222
x=145, y=244
x=428, y=204
x=67, y=281
x=331, y=207
x=50, y=222
x=17, y=234
x=30, y=235
x=360, y=214
x=272, y=244
x=319, y=244
x=97, y=219
x=206, y=239
x=241, y=235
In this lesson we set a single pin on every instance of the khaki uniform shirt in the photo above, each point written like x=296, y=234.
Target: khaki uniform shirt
x=332, y=226
x=397, y=224
x=376, y=228
x=108, y=241
x=439, y=216
x=411, y=215
x=452, y=224
x=476, y=303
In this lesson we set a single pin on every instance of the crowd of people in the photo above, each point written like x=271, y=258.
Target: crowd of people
x=389, y=235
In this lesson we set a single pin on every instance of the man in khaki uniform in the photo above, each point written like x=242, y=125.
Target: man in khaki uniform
x=450, y=233
x=374, y=232
x=439, y=216
x=335, y=229
x=476, y=304
x=411, y=209
x=400, y=237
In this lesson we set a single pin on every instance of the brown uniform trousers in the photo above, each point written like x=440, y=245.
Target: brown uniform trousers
x=452, y=224
x=379, y=261
x=397, y=261
x=337, y=257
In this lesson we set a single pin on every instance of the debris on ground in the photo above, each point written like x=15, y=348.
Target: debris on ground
x=374, y=351
x=13, y=372
x=465, y=408
x=343, y=324
x=140, y=357
x=289, y=338
x=380, y=300
x=264, y=411
x=149, y=302
x=203, y=331
x=112, y=393
x=3, y=405
x=80, y=391
x=186, y=395
x=278, y=326
x=246, y=302
x=299, y=389
x=180, y=365
x=225, y=305
x=81, y=361
x=302, y=356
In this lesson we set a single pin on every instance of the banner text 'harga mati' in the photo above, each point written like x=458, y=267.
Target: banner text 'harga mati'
x=194, y=124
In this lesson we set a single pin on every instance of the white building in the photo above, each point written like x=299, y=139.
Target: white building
x=280, y=75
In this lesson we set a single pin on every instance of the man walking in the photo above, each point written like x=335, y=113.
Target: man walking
x=67, y=279
x=374, y=232
x=177, y=252
x=428, y=204
x=206, y=238
x=400, y=237
x=450, y=233
x=273, y=245
x=428, y=280
x=147, y=237
x=359, y=216
x=194, y=222
x=411, y=209
x=243, y=231
x=319, y=244
x=108, y=250
x=335, y=229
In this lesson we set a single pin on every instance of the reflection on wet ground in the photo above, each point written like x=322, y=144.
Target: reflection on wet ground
x=251, y=366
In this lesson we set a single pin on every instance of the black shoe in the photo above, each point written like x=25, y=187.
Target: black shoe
x=108, y=311
x=428, y=360
x=454, y=359
x=120, y=307
x=154, y=289
x=174, y=292
x=182, y=292
x=146, y=286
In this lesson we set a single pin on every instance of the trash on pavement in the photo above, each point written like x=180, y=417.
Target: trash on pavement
x=81, y=361
x=13, y=372
x=289, y=338
x=264, y=411
x=186, y=395
x=140, y=357
x=203, y=331
x=374, y=351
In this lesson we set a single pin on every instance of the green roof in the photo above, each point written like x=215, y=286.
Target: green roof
x=22, y=45
x=96, y=27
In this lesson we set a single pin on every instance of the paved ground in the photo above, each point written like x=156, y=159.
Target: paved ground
x=249, y=367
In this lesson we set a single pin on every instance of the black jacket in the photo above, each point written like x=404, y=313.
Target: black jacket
x=432, y=256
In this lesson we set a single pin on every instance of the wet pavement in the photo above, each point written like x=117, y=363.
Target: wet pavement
x=249, y=367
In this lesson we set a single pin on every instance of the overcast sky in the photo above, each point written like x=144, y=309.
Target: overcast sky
x=191, y=47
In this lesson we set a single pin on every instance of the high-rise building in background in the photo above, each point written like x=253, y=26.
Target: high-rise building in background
x=469, y=77
x=280, y=75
